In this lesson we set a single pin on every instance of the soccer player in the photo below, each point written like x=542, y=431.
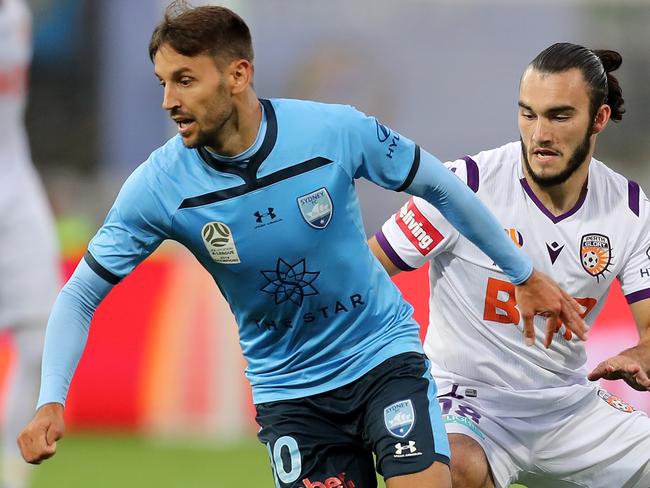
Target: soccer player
x=529, y=414
x=262, y=193
x=29, y=278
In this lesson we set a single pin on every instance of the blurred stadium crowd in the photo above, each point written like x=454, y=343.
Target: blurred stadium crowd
x=444, y=73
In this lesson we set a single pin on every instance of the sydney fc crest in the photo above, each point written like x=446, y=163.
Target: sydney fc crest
x=400, y=418
x=595, y=254
x=316, y=208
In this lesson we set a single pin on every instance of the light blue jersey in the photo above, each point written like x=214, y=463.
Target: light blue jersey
x=281, y=233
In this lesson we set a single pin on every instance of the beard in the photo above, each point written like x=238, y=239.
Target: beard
x=210, y=126
x=206, y=137
x=577, y=159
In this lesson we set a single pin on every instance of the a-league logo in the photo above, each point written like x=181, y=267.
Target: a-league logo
x=219, y=242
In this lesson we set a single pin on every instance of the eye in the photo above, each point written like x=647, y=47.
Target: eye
x=562, y=117
x=528, y=115
x=185, y=81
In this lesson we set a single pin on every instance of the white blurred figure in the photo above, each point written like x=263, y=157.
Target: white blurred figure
x=29, y=278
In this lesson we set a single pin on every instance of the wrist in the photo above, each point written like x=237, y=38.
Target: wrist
x=52, y=408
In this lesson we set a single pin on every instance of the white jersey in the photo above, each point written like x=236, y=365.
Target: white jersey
x=475, y=331
x=29, y=276
x=15, y=55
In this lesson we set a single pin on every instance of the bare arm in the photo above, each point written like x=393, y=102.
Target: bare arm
x=633, y=364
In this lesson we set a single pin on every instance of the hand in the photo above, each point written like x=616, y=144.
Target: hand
x=37, y=441
x=540, y=295
x=622, y=367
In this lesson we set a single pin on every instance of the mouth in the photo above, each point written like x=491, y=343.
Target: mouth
x=545, y=154
x=185, y=125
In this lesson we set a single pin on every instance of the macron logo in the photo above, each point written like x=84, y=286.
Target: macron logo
x=417, y=229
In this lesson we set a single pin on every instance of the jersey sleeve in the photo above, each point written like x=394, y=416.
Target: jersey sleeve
x=416, y=233
x=67, y=331
x=134, y=227
x=380, y=154
x=635, y=274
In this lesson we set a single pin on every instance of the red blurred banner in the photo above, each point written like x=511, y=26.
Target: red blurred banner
x=147, y=364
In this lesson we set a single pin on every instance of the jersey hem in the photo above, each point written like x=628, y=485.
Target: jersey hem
x=434, y=458
x=413, y=171
x=274, y=394
x=637, y=296
x=100, y=270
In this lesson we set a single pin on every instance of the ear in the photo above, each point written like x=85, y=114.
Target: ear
x=602, y=118
x=241, y=75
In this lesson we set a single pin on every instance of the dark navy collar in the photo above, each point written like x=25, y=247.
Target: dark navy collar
x=248, y=172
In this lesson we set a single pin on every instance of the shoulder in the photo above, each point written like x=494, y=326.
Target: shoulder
x=163, y=166
x=613, y=189
x=170, y=156
x=502, y=158
x=312, y=112
x=294, y=105
x=494, y=163
x=166, y=162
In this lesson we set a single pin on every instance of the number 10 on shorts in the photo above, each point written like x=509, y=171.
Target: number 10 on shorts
x=281, y=473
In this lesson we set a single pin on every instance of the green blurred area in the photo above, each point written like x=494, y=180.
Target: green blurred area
x=125, y=461
x=73, y=232
x=128, y=461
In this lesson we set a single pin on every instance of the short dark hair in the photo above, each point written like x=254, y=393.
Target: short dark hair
x=596, y=67
x=192, y=31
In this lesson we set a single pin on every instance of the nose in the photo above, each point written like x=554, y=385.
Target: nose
x=542, y=132
x=170, y=100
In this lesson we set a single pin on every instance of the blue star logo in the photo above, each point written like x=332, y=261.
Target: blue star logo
x=290, y=283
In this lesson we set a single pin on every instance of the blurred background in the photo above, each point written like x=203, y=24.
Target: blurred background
x=163, y=359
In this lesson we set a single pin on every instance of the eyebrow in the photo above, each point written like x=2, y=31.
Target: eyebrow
x=176, y=74
x=551, y=111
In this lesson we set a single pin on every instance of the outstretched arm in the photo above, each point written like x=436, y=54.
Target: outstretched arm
x=633, y=364
x=536, y=293
x=395, y=162
x=65, y=339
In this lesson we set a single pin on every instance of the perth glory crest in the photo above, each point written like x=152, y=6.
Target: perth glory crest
x=595, y=254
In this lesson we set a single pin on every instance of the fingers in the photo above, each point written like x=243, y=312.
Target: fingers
x=551, y=329
x=38, y=441
x=529, y=329
x=600, y=371
x=641, y=379
x=53, y=434
x=33, y=446
x=575, y=324
x=617, y=368
x=574, y=304
x=571, y=316
x=540, y=295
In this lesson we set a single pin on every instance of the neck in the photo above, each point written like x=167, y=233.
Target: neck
x=561, y=198
x=239, y=131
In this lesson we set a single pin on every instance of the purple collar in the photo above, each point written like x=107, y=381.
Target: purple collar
x=546, y=211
